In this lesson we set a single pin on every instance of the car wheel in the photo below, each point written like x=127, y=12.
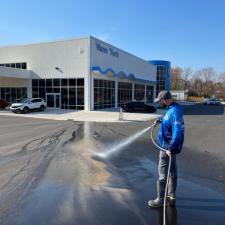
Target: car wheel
x=25, y=110
x=42, y=108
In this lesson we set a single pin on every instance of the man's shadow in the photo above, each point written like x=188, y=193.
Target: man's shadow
x=171, y=215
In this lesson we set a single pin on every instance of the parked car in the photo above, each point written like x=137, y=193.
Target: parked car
x=212, y=101
x=29, y=104
x=205, y=100
x=139, y=106
x=3, y=104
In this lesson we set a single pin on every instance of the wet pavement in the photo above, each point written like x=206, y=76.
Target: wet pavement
x=56, y=177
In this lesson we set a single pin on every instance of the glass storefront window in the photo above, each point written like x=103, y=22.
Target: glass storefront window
x=161, y=76
x=42, y=93
x=80, y=82
x=49, y=83
x=80, y=96
x=56, y=82
x=35, y=92
x=149, y=93
x=18, y=93
x=104, y=94
x=56, y=90
x=139, y=92
x=124, y=93
x=3, y=93
x=12, y=94
x=15, y=65
x=72, y=82
x=49, y=90
x=41, y=83
x=64, y=98
x=72, y=97
x=64, y=82
x=34, y=83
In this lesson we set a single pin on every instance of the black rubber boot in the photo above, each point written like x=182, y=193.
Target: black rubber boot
x=171, y=196
x=158, y=202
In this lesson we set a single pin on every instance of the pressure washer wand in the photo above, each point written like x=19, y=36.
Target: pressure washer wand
x=168, y=173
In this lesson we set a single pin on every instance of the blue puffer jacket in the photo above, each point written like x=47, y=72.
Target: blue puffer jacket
x=171, y=131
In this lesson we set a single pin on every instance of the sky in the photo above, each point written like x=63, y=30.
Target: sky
x=187, y=33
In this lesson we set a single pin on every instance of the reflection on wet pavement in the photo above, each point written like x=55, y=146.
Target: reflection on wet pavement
x=74, y=187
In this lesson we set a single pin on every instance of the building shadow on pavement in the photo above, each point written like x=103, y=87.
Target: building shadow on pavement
x=201, y=109
x=206, y=204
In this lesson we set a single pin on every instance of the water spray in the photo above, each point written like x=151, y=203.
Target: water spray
x=129, y=140
x=119, y=146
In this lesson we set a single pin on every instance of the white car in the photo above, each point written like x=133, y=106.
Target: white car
x=29, y=104
x=212, y=101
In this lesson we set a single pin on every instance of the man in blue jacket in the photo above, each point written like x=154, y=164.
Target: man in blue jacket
x=171, y=138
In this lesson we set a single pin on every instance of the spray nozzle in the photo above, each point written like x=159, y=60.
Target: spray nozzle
x=158, y=121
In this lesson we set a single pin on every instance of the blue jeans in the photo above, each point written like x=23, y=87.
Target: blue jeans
x=164, y=164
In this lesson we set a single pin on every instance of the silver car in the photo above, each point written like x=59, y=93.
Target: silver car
x=212, y=101
x=29, y=104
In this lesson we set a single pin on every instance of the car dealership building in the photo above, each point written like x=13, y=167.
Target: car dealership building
x=83, y=73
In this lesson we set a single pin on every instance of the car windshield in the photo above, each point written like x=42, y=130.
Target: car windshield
x=25, y=100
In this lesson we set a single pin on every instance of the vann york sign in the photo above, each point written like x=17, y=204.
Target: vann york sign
x=108, y=51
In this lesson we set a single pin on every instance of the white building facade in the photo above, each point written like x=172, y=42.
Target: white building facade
x=82, y=74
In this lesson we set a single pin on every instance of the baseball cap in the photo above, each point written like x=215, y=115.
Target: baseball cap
x=163, y=95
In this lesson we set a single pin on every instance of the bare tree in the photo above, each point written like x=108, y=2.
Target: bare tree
x=222, y=77
x=176, y=78
x=207, y=75
x=196, y=84
x=220, y=85
x=187, y=73
x=204, y=82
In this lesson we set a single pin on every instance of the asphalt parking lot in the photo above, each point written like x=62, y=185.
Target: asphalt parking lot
x=49, y=175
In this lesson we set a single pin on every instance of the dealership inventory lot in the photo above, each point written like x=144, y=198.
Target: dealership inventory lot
x=49, y=175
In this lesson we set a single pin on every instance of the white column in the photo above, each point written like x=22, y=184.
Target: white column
x=92, y=92
x=87, y=93
x=154, y=91
x=88, y=84
x=133, y=91
x=145, y=93
x=29, y=88
x=116, y=93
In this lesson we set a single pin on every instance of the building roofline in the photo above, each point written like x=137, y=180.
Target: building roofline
x=72, y=39
x=44, y=42
x=122, y=50
x=160, y=62
x=15, y=73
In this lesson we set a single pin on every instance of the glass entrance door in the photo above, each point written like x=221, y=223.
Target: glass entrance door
x=53, y=100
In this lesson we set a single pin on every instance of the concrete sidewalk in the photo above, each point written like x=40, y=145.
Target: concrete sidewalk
x=93, y=116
